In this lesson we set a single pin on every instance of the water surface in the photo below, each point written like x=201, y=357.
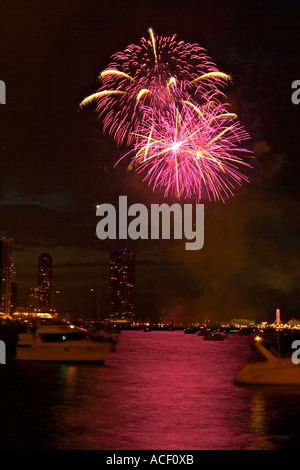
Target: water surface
x=158, y=391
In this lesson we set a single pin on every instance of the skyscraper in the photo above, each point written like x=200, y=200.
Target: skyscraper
x=121, y=285
x=14, y=289
x=5, y=274
x=44, y=281
x=33, y=298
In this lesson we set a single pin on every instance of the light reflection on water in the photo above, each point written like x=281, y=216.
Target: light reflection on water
x=158, y=391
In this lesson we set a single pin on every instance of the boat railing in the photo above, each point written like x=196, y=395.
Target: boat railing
x=259, y=344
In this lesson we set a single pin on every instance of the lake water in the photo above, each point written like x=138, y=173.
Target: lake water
x=158, y=391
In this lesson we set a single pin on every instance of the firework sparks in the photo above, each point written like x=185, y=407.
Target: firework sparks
x=163, y=98
x=158, y=72
x=191, y=151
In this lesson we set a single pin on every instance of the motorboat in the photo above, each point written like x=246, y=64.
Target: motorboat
x=214, y=336
x=202, y=332
x=272, y=370
x=60, y=342
x=190, y=330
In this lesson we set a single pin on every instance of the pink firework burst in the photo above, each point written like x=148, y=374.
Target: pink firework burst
x=163, y=98
x=190, y=151
x=158, y=72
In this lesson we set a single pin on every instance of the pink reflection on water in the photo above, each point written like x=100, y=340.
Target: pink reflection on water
x=162, y=390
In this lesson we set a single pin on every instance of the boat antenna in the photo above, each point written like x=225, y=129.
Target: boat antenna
x=278, y=323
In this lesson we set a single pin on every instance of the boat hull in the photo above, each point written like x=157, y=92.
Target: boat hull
x=280, y=372
x=214, y=337
x=71, y=351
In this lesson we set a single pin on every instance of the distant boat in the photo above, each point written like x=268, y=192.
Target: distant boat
x=214, y=336
x=202, y=332
x=190, y=330
x=60, y=342
x=246, y=331
x=273, y=370
x=147, y=328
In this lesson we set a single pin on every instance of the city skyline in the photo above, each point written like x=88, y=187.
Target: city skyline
x=57, y=165
x=6, y=275
x=39, y=297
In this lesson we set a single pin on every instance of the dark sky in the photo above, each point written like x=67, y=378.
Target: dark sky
x=56, y=165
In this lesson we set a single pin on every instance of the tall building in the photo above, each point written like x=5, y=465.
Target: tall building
x=5, y=274
x=14, y=289
x=33, y=298
x=121, y=285
x=44, y=281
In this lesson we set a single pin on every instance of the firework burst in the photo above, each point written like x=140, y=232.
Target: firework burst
x=191, y=151
x=158, y=72
x=163, y=98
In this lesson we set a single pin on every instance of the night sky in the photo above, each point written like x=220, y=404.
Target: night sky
x=56, y=164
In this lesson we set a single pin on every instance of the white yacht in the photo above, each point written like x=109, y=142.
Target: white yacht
x=273, y=370
x=60, y=342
